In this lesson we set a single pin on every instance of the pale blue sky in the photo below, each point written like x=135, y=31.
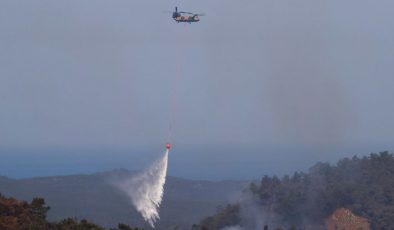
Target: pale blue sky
x=253, y=74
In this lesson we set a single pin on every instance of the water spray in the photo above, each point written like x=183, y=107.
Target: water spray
x=146, y=189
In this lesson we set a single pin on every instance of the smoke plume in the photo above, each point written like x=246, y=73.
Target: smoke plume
x=146, y=189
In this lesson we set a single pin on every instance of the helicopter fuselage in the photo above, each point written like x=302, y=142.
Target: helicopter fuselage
x=187, y=18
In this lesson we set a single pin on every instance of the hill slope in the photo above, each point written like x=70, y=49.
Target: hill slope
x=364, y=186
x=95, y=198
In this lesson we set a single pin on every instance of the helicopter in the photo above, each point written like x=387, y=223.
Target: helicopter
x=185, y=16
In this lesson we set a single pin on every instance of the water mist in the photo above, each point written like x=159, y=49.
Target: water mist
x=146, y=189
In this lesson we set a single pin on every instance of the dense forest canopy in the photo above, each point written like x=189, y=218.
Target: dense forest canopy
x=364, y=185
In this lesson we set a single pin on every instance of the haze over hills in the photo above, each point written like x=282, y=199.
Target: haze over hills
x=95, y=198
x=363, y=186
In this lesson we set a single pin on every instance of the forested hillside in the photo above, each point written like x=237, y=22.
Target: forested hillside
x=21, y=215
x=364, y=185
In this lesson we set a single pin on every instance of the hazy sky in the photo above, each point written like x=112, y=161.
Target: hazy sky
x=314, y=74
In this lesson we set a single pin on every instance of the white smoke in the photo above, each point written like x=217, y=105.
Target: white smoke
x=236, y=227
x=146, y=189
